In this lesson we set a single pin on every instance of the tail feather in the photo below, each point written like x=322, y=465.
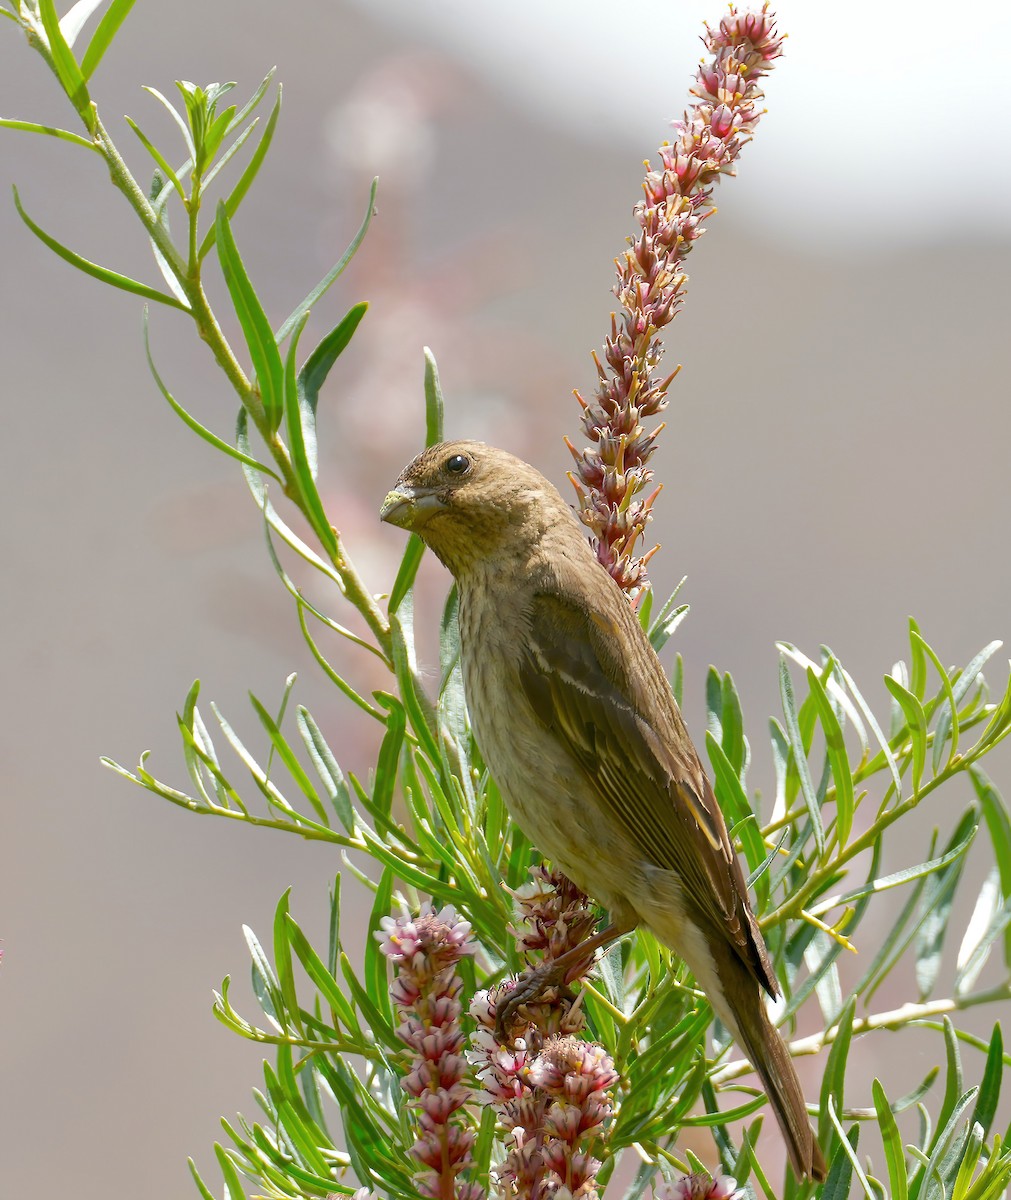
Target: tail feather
x=740, y=1006
x=768, y=1054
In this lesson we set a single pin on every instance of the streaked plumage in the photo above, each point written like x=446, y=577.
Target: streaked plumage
x=576, y=720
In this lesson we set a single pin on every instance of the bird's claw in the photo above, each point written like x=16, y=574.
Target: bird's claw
x=528, y=989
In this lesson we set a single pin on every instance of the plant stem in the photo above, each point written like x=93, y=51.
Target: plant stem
x=895, y=1018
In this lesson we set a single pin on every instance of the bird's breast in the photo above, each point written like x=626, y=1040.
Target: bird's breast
x=545, y=789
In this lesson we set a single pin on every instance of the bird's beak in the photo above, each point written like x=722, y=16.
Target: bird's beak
x=410, y=507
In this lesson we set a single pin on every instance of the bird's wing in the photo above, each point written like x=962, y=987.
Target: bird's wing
x=619, y=721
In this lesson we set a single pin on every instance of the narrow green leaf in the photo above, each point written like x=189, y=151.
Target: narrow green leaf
x=434, y=405
x=989, y=1089
x=387, y=764
x=916, y=722
x=733, y=740
x=849, y=1148
x=413, y=553
x=949, y=705
x=233, y=1187
x=939, y=896
x=897, y=878
x=988, y=921
x=953, y=1075
x=735, y=806
x=799, y=756
x=333, y=274
x=834, y=1079
x=50, y=131
x=918, y=661
x=202, y=1187
x=286, y=754
x=73, y=20
x=300, y=423
x=212, y=439
x=238, y=193
x=840, y=1168
x=835, y=745
x=112, y=278
x=255, y=327
x=376, y=975
x=174, y=113
x=998, y=824
x=282, y=960
x=327, y=768
x=947, y=714
x=102, y=38
x=65, y=65
x=164, y=165
x=872, y=721
x=894, y=1154
x=317, y=366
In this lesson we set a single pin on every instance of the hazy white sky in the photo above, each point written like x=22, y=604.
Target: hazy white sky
x=889, y=113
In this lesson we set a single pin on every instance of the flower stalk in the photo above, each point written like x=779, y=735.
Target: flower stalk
x=426, y=991
x=611, y=472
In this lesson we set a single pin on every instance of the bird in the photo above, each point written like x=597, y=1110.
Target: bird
x=575, y=719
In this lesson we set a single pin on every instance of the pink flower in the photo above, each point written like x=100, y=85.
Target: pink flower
x=700, y=1187
x=611, y=471
x=425, y=951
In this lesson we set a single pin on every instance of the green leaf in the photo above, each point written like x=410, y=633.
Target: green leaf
x=849, y=1148
x=317, y=366
x=300, y=423
x=282, y=962
x=327, y=768
x=989, y=1089
x=328, y=279
x=102, y=38
x=50, y=131
x=376, y=975
x=112, y=278
x=164, y=165
x=238, y=193
x=998, y=825
x=897, y=878
x=736, y=808
x=947, y=714
x=916, y=722
x=233, y=1187
x=835, y=745
x=65, y=65
x=953, y=1075
x=434, y=406
x=834, y=1078
x=938, y=898
x=74, y=19
x=988, y=921
x=286, y=754
x=799, y=756
x=941, y=734
x=892, y=1142
x=201, y=431
x=872, y=722
x=255, y=327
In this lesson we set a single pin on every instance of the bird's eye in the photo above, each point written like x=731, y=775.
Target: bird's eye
x=457, y=464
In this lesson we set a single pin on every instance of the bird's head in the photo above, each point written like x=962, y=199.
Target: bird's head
x=472, y=503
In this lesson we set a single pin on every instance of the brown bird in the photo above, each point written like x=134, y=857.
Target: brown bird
x=577, y=723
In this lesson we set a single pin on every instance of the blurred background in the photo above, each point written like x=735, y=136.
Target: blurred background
x=836, y=456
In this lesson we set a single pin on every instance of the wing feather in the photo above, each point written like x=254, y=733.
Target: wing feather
x=624, y=730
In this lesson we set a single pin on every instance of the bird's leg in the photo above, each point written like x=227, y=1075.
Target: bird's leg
x=556, y=972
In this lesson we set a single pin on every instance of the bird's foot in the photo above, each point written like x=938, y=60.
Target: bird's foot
x=530, y=999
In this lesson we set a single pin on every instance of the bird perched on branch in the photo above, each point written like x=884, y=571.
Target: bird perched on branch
x=575, y=719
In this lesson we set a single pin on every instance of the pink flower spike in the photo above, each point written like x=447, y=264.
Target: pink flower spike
x=612, y=469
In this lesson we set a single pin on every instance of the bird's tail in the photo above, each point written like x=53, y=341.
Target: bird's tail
x=742, y=1009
